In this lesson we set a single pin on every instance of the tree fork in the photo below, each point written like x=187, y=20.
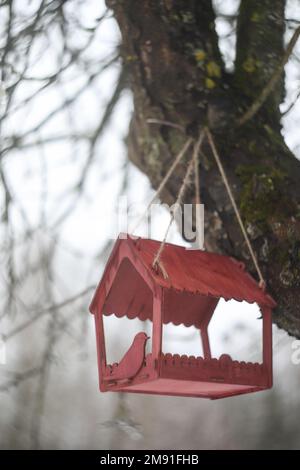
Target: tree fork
x=177, y=75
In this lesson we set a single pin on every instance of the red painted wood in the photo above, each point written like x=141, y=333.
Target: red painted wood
x=157, y=325
x=101, y=351
x=190, y=376
x=132, y=361
x=205, y=343
x=267, y=344
x=196, y=281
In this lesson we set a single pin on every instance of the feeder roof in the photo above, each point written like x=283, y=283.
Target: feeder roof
x=190, y=273
x=201, y=272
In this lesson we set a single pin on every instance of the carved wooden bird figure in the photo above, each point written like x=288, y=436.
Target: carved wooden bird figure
x=132, y=361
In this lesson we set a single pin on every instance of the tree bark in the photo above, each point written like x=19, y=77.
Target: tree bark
x=177, y=74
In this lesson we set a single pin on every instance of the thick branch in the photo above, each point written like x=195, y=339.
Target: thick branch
x=260, y=100
x=260, y=30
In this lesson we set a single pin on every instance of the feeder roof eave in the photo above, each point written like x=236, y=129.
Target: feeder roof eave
x=201, y=273
x=267, y=303
x=193, y=272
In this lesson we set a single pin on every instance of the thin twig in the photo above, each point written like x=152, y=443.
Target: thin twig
x=161, y=122
x=291, y=106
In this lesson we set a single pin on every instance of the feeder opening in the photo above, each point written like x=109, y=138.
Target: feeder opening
x=120, y=332
x=181, y=340
x=236, y=329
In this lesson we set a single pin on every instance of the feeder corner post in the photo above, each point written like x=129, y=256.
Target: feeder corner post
x=157, y=328
x=100, y=341
x=267, y=344
x=205, y=342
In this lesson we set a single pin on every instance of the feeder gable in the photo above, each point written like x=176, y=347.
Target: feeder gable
x=123, y=265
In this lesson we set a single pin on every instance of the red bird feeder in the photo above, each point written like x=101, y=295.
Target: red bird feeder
x=184, y=290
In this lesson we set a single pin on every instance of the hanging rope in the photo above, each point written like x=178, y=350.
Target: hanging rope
x=236, y=210
x=164, y=181
x=185, y=183
x=178, y=201
x=194, y=165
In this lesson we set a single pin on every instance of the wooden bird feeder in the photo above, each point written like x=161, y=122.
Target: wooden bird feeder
x=185, y=291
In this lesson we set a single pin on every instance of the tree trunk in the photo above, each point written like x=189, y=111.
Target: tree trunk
x=177, y=74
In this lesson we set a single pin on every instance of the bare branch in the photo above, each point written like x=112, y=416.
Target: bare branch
x=38, y=315
x=18, y=379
